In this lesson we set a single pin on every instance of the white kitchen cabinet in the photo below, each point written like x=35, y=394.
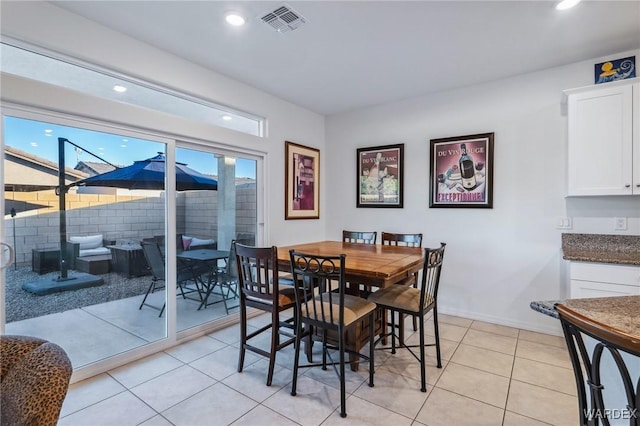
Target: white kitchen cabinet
x=603, y=280
x=604, y=139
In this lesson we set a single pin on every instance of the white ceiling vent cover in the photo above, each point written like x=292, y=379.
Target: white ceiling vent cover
x=283, y=19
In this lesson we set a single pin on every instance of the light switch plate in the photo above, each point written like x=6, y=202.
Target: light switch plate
x=564, y=223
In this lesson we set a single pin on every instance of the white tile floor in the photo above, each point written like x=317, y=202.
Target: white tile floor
x=491, y=375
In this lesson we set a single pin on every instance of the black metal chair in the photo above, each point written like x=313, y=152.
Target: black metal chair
x=226, y=280
x=258, y=277
x=155, y=260
x=359, y=237
x=322, y=305
x=406, y=240
x=416, y=302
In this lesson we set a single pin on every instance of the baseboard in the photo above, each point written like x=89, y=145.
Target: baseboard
x=556, y=331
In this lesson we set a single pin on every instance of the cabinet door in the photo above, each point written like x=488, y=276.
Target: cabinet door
x=600, y=141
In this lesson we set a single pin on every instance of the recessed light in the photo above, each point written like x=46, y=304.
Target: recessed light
x=226, y=117
x=48, y=131
x=119, y=89
x=234, y=18
x=566, y=4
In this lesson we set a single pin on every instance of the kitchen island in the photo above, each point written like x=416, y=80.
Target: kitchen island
x=603, y=338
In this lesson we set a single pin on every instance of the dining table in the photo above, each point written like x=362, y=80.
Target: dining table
x=208, y=258
x=368, y=267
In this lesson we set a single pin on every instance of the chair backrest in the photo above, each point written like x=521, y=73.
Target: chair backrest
x=359, y=237
x=155, y=260
x=320, y=285
x=257, y=269
x=409, y=240
x=431, y=276
x=231, y=269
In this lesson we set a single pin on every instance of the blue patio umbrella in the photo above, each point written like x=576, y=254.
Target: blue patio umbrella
x=149, y=174
x=145, y=174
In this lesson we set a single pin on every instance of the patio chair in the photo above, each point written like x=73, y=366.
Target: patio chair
x=155, y=260
x=226, y=279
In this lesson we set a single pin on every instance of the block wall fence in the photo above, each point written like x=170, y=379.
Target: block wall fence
x=118, y=217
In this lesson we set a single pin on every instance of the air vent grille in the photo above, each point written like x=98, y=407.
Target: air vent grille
x=283, y=19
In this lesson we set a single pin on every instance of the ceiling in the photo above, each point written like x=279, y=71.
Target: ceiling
x=354, y=54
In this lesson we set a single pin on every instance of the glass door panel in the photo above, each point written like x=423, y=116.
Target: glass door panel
x=208, y=219
x=81, y=273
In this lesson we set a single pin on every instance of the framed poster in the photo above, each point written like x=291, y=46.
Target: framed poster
x=380, y=176
x=462, y=171
x=302, y=182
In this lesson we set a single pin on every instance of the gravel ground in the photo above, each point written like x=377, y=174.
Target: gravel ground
x=21, y=304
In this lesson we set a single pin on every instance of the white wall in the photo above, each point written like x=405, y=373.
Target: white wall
x=48, y=26
x=497, y=260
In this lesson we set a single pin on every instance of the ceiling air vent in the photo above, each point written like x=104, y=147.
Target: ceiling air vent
x=283, y=19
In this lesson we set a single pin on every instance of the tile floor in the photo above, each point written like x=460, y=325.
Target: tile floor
x=491, y=375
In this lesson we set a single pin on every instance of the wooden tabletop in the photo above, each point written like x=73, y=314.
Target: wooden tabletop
x=374, y=265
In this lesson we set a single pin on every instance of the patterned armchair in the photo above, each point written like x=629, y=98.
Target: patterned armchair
x=34, y=378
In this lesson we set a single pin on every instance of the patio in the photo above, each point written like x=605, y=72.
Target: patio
x=105, y=320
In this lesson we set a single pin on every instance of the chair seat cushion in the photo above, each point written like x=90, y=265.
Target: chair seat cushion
x=98, y=251
x=355, y=308
x=286, y=296
x=400, y=297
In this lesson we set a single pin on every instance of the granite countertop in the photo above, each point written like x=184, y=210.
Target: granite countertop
x=601, y=248
x=621, y=313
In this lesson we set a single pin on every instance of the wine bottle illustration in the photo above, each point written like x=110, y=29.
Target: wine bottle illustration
x=467, y=169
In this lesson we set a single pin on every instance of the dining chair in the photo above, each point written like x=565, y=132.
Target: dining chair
x=155, y=260
x=417, y=303
x=359, y=237
x=328, y=313
x=260, y=288
x=406, y=240
x=354, y=288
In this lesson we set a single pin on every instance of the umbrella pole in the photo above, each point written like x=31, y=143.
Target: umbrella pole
x=62, y=210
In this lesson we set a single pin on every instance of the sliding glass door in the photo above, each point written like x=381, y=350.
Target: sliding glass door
x=80, y=273
x=119, y=257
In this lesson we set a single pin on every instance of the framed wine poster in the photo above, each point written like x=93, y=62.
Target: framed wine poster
x=461, y=173
x=380, y=176
x=302, y=182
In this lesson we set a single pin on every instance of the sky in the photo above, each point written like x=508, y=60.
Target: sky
x=41, y=139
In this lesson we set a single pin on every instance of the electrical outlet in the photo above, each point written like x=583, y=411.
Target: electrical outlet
x=621, y=224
